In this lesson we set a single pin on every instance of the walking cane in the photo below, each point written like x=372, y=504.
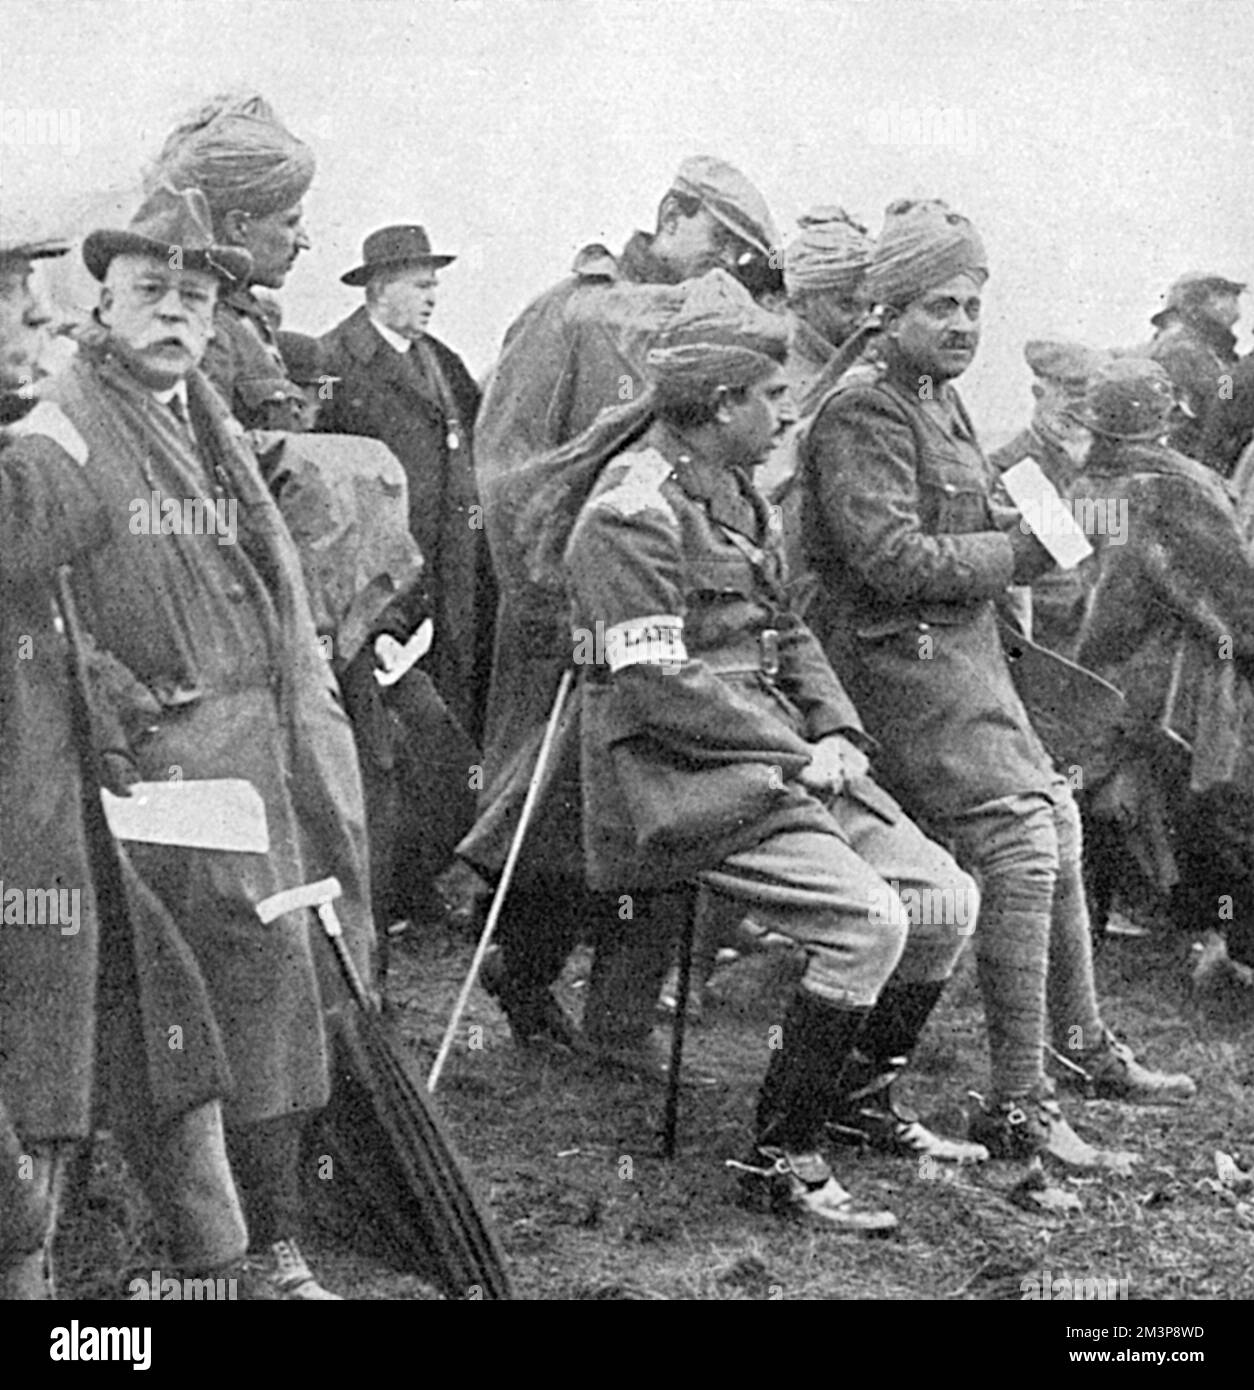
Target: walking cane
x=507, y=873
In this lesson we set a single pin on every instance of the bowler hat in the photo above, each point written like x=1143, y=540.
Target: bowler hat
x=390, y=247
x=168, y=221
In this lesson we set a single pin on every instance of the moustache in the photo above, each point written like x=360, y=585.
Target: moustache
x=958, y=341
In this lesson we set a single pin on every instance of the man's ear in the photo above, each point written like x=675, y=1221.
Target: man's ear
x=722, y=405
x=235, y=227
x=106, y=304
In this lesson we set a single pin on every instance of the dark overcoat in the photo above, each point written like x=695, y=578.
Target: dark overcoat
x=111, y=988
x=422, y=405
x=220, y=632
x=574, y=352
x=1175, y=594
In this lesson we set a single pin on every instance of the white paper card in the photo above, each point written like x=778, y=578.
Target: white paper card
x=1046, y=514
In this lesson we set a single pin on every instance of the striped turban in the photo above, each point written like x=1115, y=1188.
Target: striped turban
x=237, y=151
x=718, y=336
x=923, y=244
x=830, y=252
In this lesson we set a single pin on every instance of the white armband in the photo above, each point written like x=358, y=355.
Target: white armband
x=654, y=641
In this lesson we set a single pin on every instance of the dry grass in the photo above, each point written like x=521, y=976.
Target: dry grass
x=587, y=1209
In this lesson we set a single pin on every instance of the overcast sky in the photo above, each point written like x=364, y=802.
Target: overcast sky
x=1101, y=148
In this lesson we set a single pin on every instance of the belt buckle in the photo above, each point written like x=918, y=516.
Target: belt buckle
x=768, y=651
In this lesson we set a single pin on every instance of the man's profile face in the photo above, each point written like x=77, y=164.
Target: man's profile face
x=937, y=334
x=1223, y=306
x=1058, y=403
x=161, y=318
x=753, y=421
x=23, y=327
x=274, y=242
x=832, y=313
x=404, y=300
x=692, y=245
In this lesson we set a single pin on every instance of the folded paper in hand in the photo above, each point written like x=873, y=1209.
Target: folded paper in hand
x=222, y=813
x=1046, y=514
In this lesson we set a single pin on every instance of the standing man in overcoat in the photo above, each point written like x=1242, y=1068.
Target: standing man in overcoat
x=90, y=977
x=912, y=561
x=401, y=385
x=574, y=352
x=213, y=621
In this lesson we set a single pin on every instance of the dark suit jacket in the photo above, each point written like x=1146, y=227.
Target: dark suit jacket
x=389, y=397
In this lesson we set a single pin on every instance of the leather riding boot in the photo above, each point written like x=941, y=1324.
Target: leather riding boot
x=787, y=1170
x=866, y=1112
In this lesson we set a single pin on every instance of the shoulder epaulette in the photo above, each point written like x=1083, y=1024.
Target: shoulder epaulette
x=49, y=420
x=639, y=486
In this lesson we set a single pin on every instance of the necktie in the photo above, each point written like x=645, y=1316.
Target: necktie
x=179, y=411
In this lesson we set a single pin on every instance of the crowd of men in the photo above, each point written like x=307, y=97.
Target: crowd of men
x=729, y=483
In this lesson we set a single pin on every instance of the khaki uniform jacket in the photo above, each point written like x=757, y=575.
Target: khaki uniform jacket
x=691, y=747
x=901, y=534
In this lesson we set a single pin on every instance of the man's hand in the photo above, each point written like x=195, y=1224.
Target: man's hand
x=835, y=761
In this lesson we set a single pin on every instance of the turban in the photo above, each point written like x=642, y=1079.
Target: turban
x=922, y=245
x=831, y=252
x=730, y=198
x=718, y=336
x=238, y=152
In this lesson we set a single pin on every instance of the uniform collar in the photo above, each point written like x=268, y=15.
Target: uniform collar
x=727, y=492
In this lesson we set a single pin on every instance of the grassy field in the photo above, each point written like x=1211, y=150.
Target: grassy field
x=587, y=1209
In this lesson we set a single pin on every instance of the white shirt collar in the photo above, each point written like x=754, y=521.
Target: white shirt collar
x=179, y=389
x=390, y=335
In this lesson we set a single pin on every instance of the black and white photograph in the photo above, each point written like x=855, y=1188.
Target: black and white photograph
x=626, y=666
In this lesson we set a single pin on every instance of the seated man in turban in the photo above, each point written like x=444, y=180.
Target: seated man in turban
x=717, y=744
x=254, y=173
x=911, y=560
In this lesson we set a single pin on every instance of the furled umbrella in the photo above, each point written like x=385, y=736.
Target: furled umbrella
x=392, y=1161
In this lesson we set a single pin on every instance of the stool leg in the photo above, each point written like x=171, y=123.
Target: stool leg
x=687, y=937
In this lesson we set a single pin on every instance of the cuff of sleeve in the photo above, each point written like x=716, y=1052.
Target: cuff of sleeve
x=994, y=564
x=824, y=724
